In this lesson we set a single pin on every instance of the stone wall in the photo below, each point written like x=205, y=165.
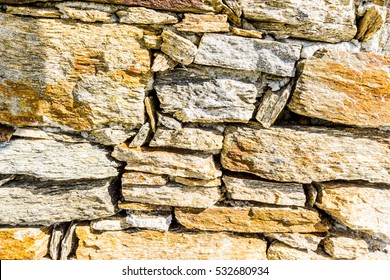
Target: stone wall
x=195, y=129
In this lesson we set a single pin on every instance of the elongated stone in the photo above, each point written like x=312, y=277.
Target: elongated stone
x=280, y=251
x=110, y=223
x=248, y=54
x=45, y=203
x=68, y=242
x=197, y=183
x=371, y=22
x=139, y=15
x=168, y=122
x=178, y=48
x=154, y=245
x=173, y=195
x=163, y=62
x=89, y=15
x=306, y=154
x=33, y=12
x=52, y=160
x=265, y=192
x=141, y=178
x=199, y=23
x=247, y=33
x=251, y=219
x=322, y=20
x=353, y=90
x=196, y=139
x=142, y=136
x=303, y=241
x=207, y=95
x=145, y=220
x=78, y=80
x=144, y=207
x=24, y=243
x=165, y=162
x=360, y=206
x=57, y=234
x=345, y=247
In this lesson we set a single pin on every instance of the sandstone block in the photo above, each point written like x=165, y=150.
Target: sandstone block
x=110, y=224
x=345, y=247
x=303, y=241
x=139, y=15
x=141, y=178
x=306, y=154
x=145, y=220
x=371, y=22
x=178, y=48
x=280, y=251
x=33, y=12
x=199, y=23
x=87, y=15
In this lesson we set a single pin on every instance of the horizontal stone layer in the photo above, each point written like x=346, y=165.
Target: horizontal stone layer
x=154, y=245
x=344, y=87
x=307, y=154
x=280, y=251
x=251, y=219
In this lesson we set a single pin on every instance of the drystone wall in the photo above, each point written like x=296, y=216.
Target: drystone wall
x=195, y=129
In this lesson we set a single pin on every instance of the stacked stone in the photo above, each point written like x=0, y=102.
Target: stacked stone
x=236, y=129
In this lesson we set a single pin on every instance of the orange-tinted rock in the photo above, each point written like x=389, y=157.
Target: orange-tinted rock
x=344, y=87
x=24, y=243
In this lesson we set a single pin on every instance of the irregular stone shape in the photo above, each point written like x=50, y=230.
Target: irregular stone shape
x=154, y=245
x=371, y=23
x=360, y=206
x=29, y=243
x=162, y=63
x=251, y=219
x=198, y=23
x=109, y=136
x=247, y=33
x=33, y=12
x=265, y=192
x=353, y=90
x=139, y=15
x=250, y=54
x=280, y=251
x=151, y=110
x=165, y=162
x=52, y=160
x=141, y=137
x=110, y=224
x=272, y=105
x=168, y=122
x=178, y=48
x=140, y=178
x=196, y=139
x=45, y=203
x=323, y=20
x=173, y=195
x=307, y=154
x=207, y=95
x=78, y=81
x=153, y=221
x=87, y=15
x=144, y=207
x=298, y=240
x=197, y=183
x=57, y=233
x=345, y=247
x=68, y=242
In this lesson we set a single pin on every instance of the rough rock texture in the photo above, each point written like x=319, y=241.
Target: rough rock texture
x=197, y=183
x=154, y=245
x=203, y=23
x=209, y=95
x=110, y=224
x=141, y=137
x=166, y=162
x=251, y=219
x=173, y=195
x=345, y=247
x=265, y=192
x=52, y=160
x=321, y=20
x=78, y=81
x=345, y=87
x=141, y=178
x=84, y=15
x=280, y=251
x=138, y=15
x=145, y=220
x=247, y=33
x=208, y=141
x=178, y=48
x=299, y=154
x=260, y=55
x=162, y=62
x=20, y=243
x=33, y=12
x=360, y=206
x=370, y=23
x=45, y=203
x=298, y=240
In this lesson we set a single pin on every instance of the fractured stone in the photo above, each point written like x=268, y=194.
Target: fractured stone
x=199, y=23
x=178, y=48
x=139, y=15
x=341, y=247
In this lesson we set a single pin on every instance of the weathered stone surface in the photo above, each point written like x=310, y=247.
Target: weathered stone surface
x=45, y=203
x=345, y=247
x=247, y=33
x=168, y=122
x=251, y=219
x=110, y=224
x=198, y=23
x=87, y=15
x=151, y=110
x=248, y=54
x=153, y=41
x=272, y=105
x=143, y=207
x=30, y=243
x=345, y=87
x=265, y=192
x=6, y=133
x=196, y=139
x=173, y=195
x=78, y=81
x=141, y=178
x=33, y=12
x=197, y=183
x=280, y=251
x=371, y=22
x=109, y=136
x=207, y=95
x=141, y=137
x=57, y=233
x=145, y=220
x=178, y=48
x=139, y=15
x=162, y=63
x=68, y=242
x=375, y=256
x=322, y=20
x=154, y=245
x=165, y=162
x=298, y=240
x=360, y=206
x=306, y=154
x=52, y=160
